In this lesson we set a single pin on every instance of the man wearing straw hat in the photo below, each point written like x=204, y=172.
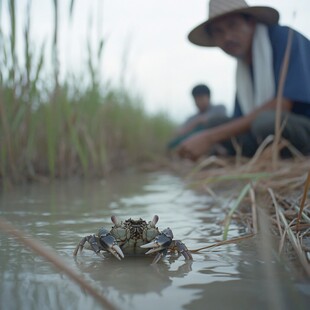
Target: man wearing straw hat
x=253, y=36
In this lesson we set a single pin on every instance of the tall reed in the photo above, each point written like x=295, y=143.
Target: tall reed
x=72, y=127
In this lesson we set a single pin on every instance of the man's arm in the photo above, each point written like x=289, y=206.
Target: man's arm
x=202, y=119
x=191, y=124
x=199, y=144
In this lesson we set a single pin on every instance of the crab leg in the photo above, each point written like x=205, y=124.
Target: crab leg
x=182, y=249
x=80, y=246
x=159, y=256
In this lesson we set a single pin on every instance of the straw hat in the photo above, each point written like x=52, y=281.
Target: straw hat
x=220, y=8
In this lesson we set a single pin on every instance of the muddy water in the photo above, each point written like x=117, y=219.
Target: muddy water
x=60, y=214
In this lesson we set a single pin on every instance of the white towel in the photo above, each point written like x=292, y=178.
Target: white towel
x=263, y=90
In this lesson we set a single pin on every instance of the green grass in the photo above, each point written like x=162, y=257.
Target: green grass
x=86, y=135
x=68, y=128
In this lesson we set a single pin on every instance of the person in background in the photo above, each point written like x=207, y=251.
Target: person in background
x=252, y=35
x=207, y=116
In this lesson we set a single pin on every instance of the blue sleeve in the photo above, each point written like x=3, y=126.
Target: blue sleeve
x=297, y=83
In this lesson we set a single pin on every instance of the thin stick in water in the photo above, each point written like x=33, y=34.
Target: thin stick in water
x=52, y=257
x=231, y=241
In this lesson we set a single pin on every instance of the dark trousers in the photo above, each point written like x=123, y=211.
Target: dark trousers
x=296, y=129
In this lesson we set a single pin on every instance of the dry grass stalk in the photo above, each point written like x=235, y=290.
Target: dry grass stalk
x=303, y=200
x=303, y=215
x=254, y=210
x=294, y=241
x=207, y=162
x=283, y=73
x=211, y=192
x=231, y=241
x=277, y=211
x=282, y=242
x=52, y=257
x=259, y=152
x=234, y=208
x=288, y=176
x=286, y=182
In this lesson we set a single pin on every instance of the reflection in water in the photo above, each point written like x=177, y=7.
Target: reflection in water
x=228, y=277
x=135, y=275
x=250, y=285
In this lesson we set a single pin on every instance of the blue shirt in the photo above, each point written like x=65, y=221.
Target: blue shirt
x=297, y=83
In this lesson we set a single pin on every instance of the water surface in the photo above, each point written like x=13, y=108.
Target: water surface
x=234, y=276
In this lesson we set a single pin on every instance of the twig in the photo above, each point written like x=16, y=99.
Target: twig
x=253, y=207
x=52, y=257
x=281, y=245
x=283, y=73
x=259, y=151
x=277, y=211
x=234, y=208
x=205, y=163
x=282, y=241
x=211, y=193
x=234, y=240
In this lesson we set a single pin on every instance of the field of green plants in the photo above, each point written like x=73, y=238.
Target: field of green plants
x=54, y=127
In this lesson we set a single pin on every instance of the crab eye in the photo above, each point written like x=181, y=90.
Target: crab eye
x=115, y=221
x=154, y=221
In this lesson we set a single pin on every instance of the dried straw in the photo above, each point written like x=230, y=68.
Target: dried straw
x=254, y=210
x=234, y=208
x=294, y=241
x=224, y=242
x=283, y=184
x=304, y=196
x=283, y=73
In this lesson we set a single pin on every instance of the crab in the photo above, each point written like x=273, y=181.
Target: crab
x=134, y=237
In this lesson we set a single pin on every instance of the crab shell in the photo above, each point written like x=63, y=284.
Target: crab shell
x=131, y=234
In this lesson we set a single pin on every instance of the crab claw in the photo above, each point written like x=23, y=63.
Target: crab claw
x=116, y=251
x=110, y=245
x=161, y=242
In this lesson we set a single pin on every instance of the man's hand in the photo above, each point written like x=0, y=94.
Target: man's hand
x=191, y=125
x=195, y=146
x=200, y=143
